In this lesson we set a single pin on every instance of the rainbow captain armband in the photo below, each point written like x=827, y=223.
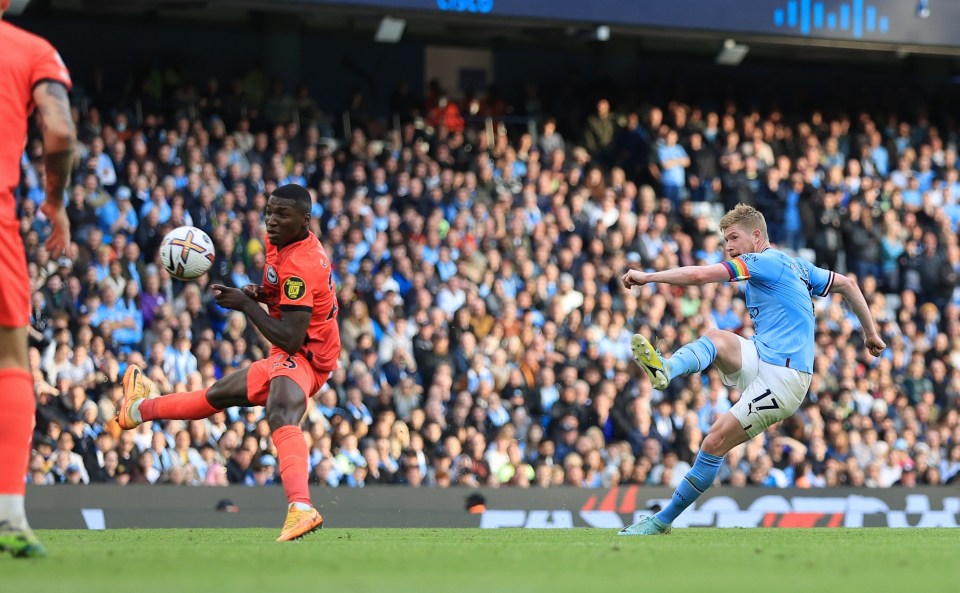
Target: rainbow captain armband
x=737, y=269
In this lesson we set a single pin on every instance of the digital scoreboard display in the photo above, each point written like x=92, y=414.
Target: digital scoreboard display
x=912, y=22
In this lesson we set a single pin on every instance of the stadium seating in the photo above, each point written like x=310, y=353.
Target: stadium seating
x=485, y=335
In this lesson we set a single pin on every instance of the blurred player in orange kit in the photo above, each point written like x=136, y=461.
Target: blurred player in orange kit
x=302, y=326
x=32, y=75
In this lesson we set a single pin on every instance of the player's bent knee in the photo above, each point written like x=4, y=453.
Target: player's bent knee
x=725, y=434
x=229, y=391
x=279, y=416
x=712, y=444
x=722, y=339
x=286, y=404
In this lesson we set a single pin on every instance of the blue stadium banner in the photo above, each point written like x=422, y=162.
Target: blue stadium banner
x=885, y=21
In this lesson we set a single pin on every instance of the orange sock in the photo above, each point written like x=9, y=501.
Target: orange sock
x=16, y=429
x=190, y=405
x=292, y=450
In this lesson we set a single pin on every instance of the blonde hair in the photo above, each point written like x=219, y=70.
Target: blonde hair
x=745, y=217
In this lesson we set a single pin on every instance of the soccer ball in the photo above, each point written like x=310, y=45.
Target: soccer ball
x=187, y=253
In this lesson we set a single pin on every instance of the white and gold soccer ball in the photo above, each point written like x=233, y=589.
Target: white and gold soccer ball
x=187, y=253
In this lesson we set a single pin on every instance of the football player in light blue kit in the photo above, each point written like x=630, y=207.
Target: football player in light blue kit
x=772, y=370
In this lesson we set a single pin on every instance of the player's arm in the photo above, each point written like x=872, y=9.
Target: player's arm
x=823, y=282
x=858, y=304
x=685, y=276
x=59, y=147
x=286, y=333
x=59, y=137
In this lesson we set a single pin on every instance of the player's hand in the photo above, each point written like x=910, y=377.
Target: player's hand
x=59, y=237
x=230, y=298
x=875, y=345
x=635, y=278
x=254, y=291
x=257, y=293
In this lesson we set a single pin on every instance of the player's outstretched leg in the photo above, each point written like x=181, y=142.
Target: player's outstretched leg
x=141, y=402
x=692, y=358
x=650, y=361
x=695, y=357
x=136, y=388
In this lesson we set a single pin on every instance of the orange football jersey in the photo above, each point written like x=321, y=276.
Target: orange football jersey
x=299, y=277
x=26, y=61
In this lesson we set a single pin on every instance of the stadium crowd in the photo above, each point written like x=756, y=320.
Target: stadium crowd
x=486, y=337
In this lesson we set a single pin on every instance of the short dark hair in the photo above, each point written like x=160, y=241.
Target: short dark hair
x=297, y=194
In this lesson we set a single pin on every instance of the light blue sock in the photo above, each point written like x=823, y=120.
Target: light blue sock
x=692, y=358
x=698, y=479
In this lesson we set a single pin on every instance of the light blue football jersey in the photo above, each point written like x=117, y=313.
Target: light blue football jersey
x=779, y=290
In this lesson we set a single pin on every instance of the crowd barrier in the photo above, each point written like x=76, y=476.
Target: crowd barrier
x=110, y=507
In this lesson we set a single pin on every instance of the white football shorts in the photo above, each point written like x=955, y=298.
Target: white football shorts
x=769, y=393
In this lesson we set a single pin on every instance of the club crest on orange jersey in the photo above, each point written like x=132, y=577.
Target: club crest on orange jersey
x=272, y=275
x=293, y=288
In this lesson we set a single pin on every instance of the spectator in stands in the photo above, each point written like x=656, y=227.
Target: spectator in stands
x=601, y=133
x=673, y=161
x=484, y=338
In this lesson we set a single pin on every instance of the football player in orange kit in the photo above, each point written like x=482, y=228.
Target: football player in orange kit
x=31, y=75
x=302, y=326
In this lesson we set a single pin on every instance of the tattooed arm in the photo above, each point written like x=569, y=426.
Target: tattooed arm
x=59, y=137
x=59, y=146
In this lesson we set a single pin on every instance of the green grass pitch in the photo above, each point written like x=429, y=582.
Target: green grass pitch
x=490, y=561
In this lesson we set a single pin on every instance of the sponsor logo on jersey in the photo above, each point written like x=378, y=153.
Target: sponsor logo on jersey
x=294, y=288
